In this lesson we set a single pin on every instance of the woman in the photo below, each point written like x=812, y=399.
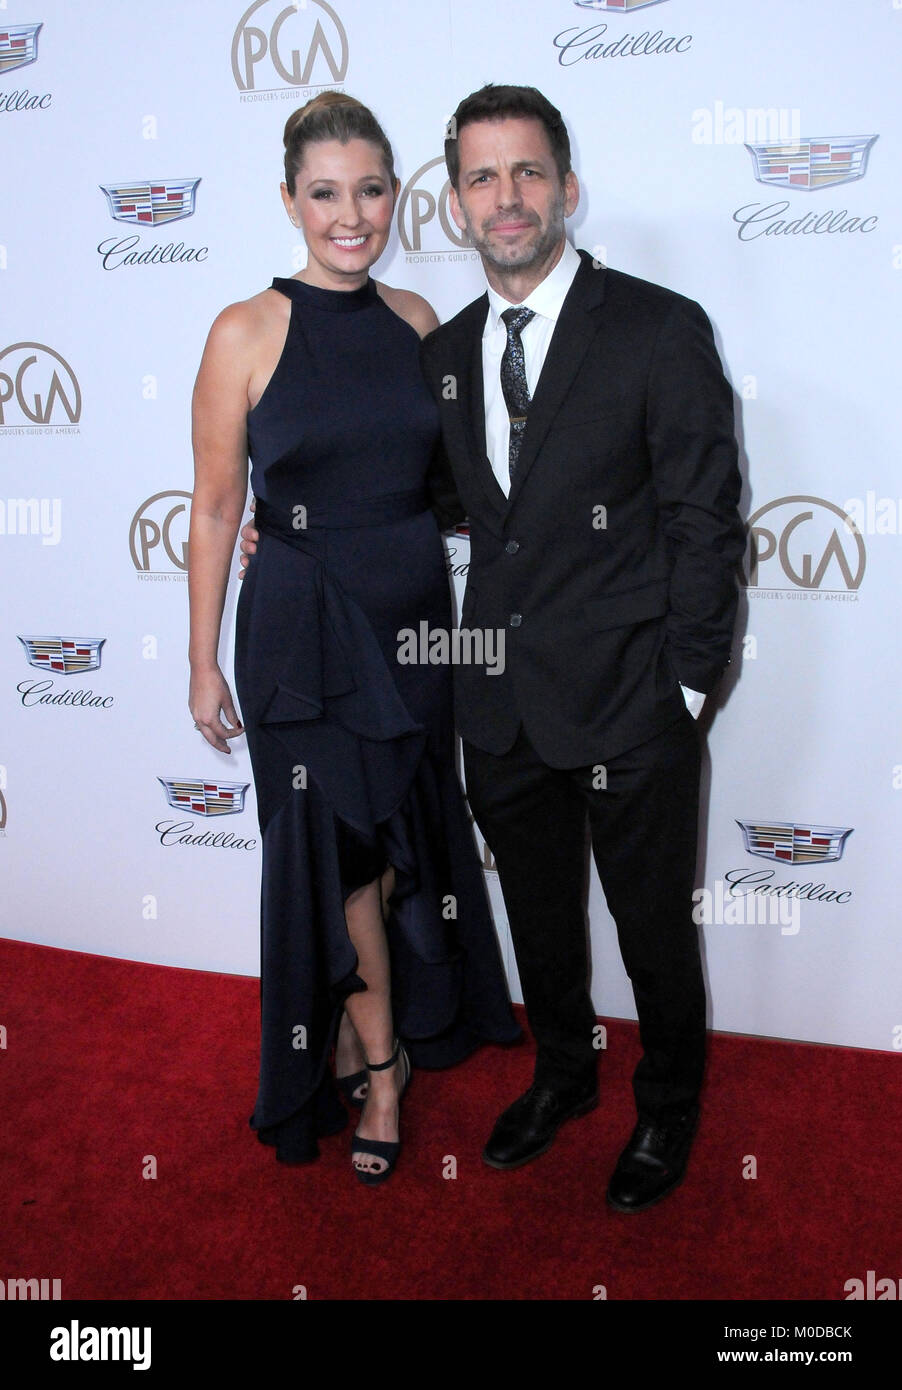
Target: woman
x=374, y=919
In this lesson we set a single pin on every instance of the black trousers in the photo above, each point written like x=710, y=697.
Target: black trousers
x=642, y=810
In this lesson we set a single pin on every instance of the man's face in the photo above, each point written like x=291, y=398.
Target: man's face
x=509, y=198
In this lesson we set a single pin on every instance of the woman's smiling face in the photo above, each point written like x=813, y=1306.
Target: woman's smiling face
x=343, y=203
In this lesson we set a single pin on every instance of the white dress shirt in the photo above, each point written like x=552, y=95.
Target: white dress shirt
x=546, y=301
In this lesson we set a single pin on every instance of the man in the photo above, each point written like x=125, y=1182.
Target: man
x=589, y=427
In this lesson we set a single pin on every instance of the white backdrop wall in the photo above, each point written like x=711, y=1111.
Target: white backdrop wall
x=745, y=154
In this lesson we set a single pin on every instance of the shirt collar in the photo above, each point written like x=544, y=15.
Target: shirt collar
x=548, y=296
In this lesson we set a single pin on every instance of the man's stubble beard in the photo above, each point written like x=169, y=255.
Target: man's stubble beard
x=538, y=252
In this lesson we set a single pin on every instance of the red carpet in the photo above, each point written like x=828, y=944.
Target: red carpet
x=108, y=1062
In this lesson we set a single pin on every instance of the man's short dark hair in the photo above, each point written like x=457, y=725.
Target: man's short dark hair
x=493, y=103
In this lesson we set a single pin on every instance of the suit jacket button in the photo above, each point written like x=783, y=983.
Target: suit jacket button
x=512, y=547
x=515, y=620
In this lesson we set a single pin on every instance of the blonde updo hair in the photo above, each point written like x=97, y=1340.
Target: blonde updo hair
x=332, y=116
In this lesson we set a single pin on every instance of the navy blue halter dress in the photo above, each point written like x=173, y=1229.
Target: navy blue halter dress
x=352, y=750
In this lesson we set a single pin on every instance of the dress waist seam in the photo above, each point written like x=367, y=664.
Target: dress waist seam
x=290, y=525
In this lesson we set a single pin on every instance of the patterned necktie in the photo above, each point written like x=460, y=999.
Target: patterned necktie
x=513, y=380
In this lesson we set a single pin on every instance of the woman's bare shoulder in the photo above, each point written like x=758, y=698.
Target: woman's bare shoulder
x=240, y=325
x=411, y=307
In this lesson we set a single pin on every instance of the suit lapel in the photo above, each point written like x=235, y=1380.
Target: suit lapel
x=575, y=329
x=473, y=407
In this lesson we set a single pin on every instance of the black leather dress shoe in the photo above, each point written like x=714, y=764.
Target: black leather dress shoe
x=653, y=1162
x=527, y=1128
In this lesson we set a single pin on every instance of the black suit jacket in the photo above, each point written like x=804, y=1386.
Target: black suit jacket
x=611, y=567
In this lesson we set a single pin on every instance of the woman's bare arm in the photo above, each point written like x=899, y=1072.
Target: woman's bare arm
x=219, y=410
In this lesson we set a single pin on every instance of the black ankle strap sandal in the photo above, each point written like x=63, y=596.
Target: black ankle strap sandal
x=382, y=1148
